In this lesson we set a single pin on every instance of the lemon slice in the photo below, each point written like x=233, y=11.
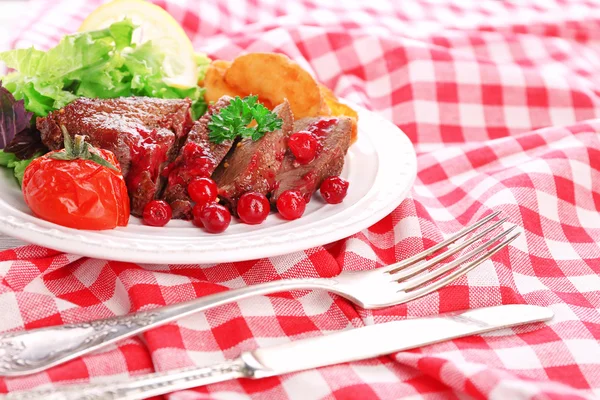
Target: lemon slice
x=154, y=24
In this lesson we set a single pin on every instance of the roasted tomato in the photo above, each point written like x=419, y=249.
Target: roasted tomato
x=79, y=187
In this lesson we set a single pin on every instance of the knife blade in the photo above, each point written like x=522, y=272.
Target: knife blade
x=346, y=346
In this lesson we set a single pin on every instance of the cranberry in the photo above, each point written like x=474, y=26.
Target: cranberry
x=215, y=218
x=157, y=213
x=334, y=189
x=202, y=190
x=291, y=204
x=253, y=208
x=304, y=146
x=197, y=214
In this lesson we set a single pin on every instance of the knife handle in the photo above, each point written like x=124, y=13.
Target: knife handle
x=143, y=386
x=391, y=337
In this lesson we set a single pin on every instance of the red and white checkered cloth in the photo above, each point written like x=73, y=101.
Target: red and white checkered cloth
x=501, y=100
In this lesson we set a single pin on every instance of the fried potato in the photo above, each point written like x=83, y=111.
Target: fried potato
x=326, y=93
x=325, y=110
x=214, y=82
x=274, y=78
x=335, y=109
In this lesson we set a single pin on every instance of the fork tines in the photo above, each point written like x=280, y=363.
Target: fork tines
x=418, y=276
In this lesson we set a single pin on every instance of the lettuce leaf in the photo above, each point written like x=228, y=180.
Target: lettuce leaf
x=10, y=160
x=202, y=61
x=97, y=64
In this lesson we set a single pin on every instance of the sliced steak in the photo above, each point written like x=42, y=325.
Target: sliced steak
x=253, y=165
x=143, y=133
x=198, y=157
x=334, y=136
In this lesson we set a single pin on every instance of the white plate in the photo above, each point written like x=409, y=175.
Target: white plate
x=381, y=167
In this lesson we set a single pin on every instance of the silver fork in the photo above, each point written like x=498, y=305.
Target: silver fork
x=27, y=352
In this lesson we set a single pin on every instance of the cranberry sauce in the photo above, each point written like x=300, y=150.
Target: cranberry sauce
x=195, y=161
x=322, y=127
x=148, y=153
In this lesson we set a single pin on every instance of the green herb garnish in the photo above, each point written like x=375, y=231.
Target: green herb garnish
x=234, y=120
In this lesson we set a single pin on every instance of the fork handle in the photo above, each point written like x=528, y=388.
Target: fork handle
x=27, y=352
x=141, y=386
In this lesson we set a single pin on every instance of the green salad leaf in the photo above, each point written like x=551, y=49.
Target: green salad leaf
x=202, y=61
x=10, y=160
x=97, y=64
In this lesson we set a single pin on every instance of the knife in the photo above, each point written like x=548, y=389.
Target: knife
x=349, y=345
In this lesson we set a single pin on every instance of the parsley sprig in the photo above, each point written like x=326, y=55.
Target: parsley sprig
x=234, y=120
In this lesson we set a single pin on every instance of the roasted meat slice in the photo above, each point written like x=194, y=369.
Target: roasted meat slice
x=143, y=133
x=334, y=136
x=198, y=157
x=253, y=165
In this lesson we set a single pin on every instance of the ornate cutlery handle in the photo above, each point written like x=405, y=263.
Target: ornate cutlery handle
x=143, y=386
x=27, y=352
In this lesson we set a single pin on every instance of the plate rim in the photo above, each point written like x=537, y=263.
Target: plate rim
x=58, y=238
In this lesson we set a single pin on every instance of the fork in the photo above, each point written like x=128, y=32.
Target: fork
x=27, y=352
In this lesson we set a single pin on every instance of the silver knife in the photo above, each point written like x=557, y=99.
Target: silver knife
x=349, y=345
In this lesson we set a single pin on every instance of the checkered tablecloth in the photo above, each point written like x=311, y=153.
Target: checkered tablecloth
x=501, y=101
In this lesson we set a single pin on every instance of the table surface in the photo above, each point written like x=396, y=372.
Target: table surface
x=8, y=10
